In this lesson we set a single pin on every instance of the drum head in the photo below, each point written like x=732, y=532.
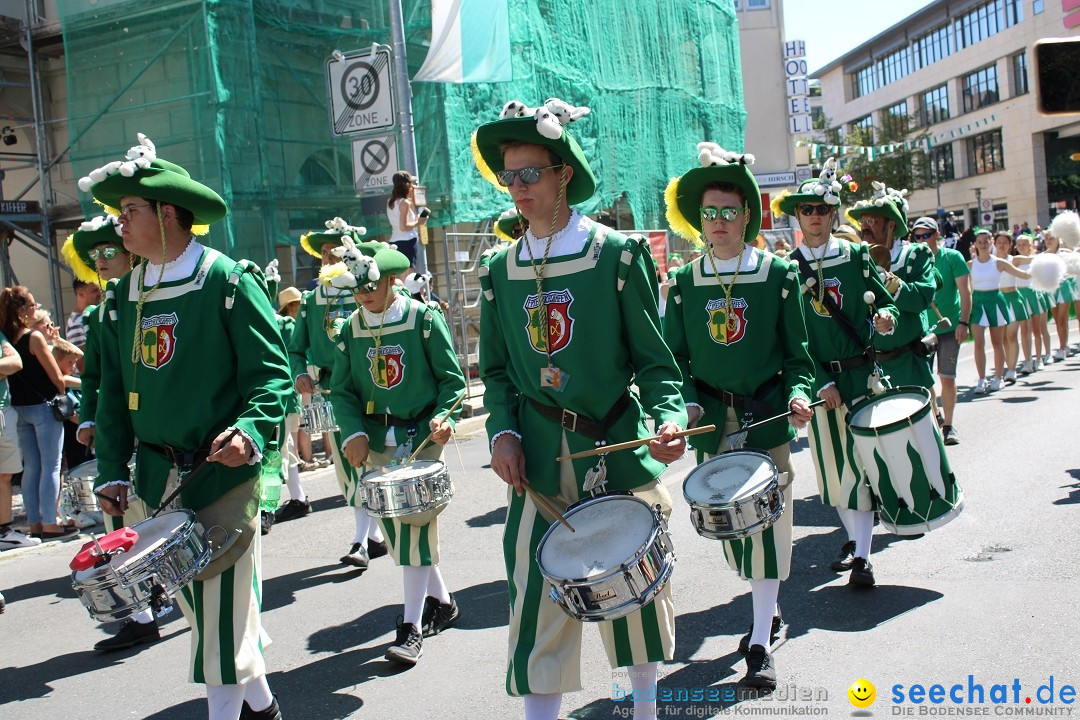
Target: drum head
x=404, y=473
x=152, y=533
x=609, y=532
x=728, y=477
x=892, y=407
x=83, y=471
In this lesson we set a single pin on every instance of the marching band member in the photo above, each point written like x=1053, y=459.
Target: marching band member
x=396, y=378
x=193, y=367
x=735, y=325
x=549, y=301
x=837, y=276
x=322, y=314
x=297, y=506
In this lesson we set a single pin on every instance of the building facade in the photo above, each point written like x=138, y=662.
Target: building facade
x=963, y=72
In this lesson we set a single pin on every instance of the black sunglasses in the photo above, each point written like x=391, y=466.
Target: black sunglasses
x=808, y=210
x=923, y=236
x=528, y=175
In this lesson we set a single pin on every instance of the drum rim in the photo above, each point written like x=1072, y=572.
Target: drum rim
x=141, y=561
x=70, y=473
x=432, y=472
x=880, y=429
x=635, y=557
x=742, y=451
x=755, y=529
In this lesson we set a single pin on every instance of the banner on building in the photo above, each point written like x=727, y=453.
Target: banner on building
x=470, y=42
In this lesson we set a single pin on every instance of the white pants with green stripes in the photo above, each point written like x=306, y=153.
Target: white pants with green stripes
x=840, y=476
x=347, y=477
x=545, y=642
x=766, y=555
x=415, y=542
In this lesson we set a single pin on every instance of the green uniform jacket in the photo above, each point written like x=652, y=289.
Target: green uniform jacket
x=417, y=368
x=848, y=272
x=604, y=334
x=287, y=327
x=765, y=336
x=91, y=375
x=211, y=357
x=914, y=267
x=322, y=313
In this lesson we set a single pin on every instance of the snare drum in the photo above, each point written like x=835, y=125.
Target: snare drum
x=617, y=560
x=733, y=495
x=903, y=454
x=168, y=554
x=413, y=493
x=318, y=416
x=77, y=494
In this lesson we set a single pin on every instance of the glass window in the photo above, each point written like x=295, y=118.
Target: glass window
x=866, y=127
x=1020, y=74
x=896, y=117
x=939, y=164
x=935, y=105
x=757, y=4
x=985, y=153
x=931, y=47
x=980, y=88
x=1037, y=7
x=864, y=81
x=987, y=20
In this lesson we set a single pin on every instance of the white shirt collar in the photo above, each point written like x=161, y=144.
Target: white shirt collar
x=567, y=241
x=181, y=268
x=392, y=314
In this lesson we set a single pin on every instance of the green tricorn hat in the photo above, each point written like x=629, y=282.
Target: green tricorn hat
x=143, y=174
x=544, y=126
x=510, y=226
x=826, y=188
x=362, y=265
x=683, y=194
x=336, y=230
x=76, y=249
x=887, y=202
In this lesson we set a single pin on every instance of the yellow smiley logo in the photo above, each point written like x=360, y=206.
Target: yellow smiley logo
x=862, y=693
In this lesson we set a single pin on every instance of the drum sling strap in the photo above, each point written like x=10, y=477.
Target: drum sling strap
x=842, y=320
x=578, y=423
x=387, y=420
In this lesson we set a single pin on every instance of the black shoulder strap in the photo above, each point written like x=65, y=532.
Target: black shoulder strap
x=827, y=300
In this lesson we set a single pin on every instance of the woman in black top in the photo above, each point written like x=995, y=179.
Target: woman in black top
x=41, y=435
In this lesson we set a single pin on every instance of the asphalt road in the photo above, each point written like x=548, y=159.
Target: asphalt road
x=992, y=595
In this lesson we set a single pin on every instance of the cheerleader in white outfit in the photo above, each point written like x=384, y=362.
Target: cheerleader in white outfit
x=989, y=310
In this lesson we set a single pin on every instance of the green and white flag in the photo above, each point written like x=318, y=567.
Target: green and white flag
x=470, y=42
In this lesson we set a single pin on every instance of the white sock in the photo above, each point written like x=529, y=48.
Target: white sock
x=416, y=590
x=847, y=522
x=363, y=522
x=143, y=617
x=225, y=701
x=543, y=706
x=643, y=679
x=864, y=533
x=763, y=594
x=257, y=694
x=293, y=483
x=436, y=588
x=374, y=532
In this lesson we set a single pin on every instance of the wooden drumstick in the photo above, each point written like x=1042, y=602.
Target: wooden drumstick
x=943, y=322
x=428, y=438
x=774, y=418
x=546, y=505
x=634, y=443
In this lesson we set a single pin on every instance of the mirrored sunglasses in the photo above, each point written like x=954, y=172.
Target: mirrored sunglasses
x=922, y=236
x=528, y=175
x=808, y=210
x=727, y=214
x=108, y=252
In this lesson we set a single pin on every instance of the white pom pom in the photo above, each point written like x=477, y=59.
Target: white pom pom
x=1047, y=271
x=705, y=157
x=819, y=189
x=85, y=183
x=869, y=298
x=1072, y=264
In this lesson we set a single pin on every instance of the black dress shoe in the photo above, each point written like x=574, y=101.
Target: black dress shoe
x=130, y=634
x=760, y=670
x=376, y=549
x=266, y=522
x=862, y=573
x=357, y=557
x=271, y=713
x=292, y=510
x=744, y=644
x=843, y=561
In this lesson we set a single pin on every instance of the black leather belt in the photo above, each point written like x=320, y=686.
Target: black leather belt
x=746, y=403
x=392, y=421
x=179, y=458
x=917, y=346
x=839, y=366
x=580, y=424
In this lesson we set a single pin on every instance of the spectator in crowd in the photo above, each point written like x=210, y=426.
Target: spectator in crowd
x=68, y=356
x=86, y=294
x=10, y=457
x=41, y=434
x=44, y=324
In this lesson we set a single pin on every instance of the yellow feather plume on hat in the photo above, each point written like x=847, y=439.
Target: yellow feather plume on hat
x=501, y=235
x=78, y=267
x=485, y=171
x=329, y=272
x=851, y=221
x=775, y=204
x=198, y=230
x=306, y=244
x=679, y=224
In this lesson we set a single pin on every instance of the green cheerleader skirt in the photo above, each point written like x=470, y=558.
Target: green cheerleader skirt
x=1015, y=300
x=989, y=309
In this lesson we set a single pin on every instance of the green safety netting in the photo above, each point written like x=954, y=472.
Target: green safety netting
x=235, y=91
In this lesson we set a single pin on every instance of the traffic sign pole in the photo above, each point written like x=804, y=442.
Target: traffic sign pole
x=404, y=108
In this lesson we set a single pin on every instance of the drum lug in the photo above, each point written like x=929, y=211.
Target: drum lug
x=160, y=602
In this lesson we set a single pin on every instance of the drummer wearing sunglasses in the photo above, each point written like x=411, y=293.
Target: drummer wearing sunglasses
x=569, y=319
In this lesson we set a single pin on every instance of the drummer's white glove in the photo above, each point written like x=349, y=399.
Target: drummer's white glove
x=441, y=431
x=357, y=449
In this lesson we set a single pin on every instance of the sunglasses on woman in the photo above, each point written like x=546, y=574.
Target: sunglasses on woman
x=727, y=214
x=808, y=210
x=528, y=175
x=108, y=252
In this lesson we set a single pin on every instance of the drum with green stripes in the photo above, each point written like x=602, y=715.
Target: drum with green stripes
x=903, y=454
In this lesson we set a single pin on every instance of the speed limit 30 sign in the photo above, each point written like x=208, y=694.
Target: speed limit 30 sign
x=361, y=92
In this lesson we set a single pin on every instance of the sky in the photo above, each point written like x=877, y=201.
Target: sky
x=832, y=28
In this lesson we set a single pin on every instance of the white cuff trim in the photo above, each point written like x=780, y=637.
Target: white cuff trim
x=87, y=424
x=501, y=433
x=824, y=388
x=354, y=435
x=256, y=458
x=126, y=483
